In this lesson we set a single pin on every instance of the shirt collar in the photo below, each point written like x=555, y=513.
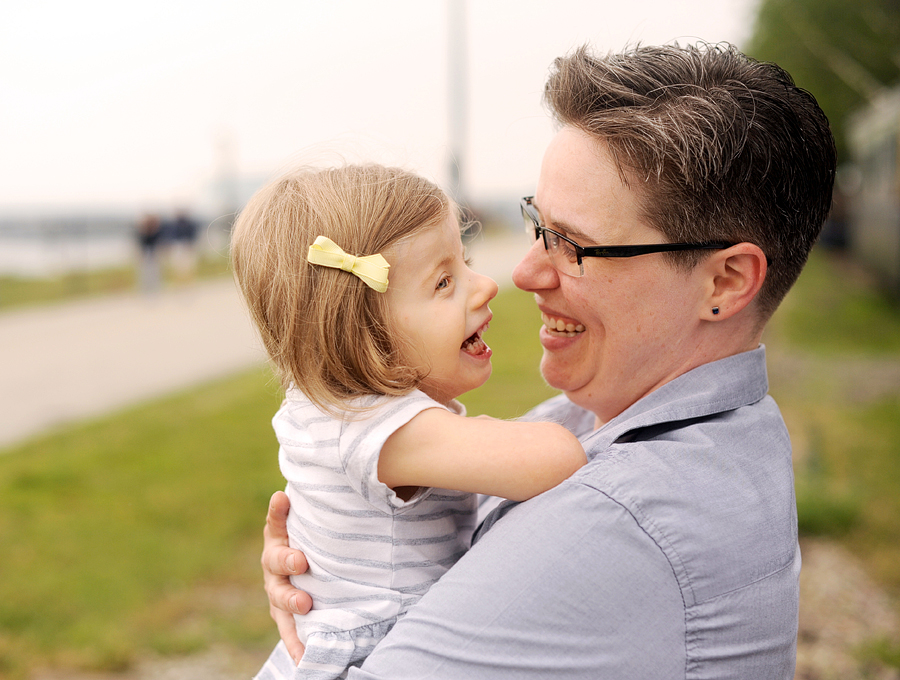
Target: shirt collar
x=716, y=387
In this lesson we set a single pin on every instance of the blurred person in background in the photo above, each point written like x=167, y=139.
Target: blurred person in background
x=184, y=245
x=149, y=233
x=675, y=208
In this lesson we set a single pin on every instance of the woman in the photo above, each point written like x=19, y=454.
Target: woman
x=674, y=210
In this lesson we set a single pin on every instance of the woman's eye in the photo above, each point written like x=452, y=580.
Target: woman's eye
x=562, y=247
x=568, y=251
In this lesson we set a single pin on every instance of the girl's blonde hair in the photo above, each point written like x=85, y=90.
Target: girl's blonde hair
x=325, y=331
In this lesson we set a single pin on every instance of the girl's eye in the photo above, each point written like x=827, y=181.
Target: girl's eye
x=443, y=283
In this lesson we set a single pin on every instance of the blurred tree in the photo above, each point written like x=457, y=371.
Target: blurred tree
x=843, y=51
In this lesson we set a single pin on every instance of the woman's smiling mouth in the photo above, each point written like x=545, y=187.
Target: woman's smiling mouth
x=558, y=326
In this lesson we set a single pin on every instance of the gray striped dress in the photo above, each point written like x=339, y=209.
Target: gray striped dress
x=371, y=555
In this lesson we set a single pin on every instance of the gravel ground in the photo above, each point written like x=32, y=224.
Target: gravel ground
x=841, y=610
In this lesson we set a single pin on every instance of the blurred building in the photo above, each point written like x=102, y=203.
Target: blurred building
x=874, y=211
x=46, y=245
x=36, y=246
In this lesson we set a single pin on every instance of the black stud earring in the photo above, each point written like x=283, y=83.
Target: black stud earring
x=715, y=310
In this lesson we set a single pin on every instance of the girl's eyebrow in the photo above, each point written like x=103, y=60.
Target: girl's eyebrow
x=443, y=264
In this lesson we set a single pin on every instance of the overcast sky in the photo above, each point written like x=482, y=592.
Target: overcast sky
x=115, y=104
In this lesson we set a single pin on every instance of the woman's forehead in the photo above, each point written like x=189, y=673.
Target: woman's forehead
x=581, y=192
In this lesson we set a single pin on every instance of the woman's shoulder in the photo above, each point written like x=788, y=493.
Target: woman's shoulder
x=721, y=509
x=559, y=409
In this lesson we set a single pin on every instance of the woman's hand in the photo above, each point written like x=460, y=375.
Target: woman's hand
x=279, y=562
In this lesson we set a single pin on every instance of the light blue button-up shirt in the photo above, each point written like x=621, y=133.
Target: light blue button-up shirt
x=672, y=554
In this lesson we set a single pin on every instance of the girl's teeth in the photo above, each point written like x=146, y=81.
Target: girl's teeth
x=476, y=346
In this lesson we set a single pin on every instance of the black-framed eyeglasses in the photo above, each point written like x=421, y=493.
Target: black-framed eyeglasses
x=567, y=256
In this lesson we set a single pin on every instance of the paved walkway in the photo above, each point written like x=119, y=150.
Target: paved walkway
x=62, y=363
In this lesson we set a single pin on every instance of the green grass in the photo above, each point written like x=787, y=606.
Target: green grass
x=19, y=291
x=16, y=291
x=835, y=371
x=835, y=310
x=141, y=532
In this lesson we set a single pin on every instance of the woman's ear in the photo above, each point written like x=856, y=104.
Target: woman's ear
x=734, y=277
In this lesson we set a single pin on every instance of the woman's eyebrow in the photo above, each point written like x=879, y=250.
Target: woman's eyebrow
x=567, y=229
x=572, y=232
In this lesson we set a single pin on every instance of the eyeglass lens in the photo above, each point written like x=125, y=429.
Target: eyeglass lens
x=562, y=254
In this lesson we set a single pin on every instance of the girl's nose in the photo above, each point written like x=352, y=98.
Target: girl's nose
x=486, y=289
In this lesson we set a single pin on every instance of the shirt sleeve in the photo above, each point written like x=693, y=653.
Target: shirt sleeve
x=564, y=585
x=361, y=441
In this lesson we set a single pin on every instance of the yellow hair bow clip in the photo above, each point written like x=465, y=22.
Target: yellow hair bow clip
x=371, y=269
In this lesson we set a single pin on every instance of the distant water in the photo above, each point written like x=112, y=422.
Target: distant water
x=39, y=247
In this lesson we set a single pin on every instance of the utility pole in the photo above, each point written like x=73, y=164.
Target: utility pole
x=457, y=98
x=227, y=194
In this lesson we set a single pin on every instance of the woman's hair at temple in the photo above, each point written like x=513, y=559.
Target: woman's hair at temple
x=325, y=331
x=717, y=145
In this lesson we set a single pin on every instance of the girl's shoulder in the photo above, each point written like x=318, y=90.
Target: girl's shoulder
x=299, y=417
x=369, y=406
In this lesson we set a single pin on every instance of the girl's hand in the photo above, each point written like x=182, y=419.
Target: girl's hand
x=279, y=562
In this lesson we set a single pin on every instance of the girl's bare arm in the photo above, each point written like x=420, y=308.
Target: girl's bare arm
x=510, y=459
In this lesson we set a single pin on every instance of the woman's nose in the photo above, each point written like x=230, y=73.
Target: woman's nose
x=535, y=271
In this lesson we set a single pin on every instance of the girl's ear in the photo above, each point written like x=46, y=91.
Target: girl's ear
x=734, y=277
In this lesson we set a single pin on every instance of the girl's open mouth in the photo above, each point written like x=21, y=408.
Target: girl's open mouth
x=474, y=345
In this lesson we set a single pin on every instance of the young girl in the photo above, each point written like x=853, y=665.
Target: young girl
x=357, y=280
